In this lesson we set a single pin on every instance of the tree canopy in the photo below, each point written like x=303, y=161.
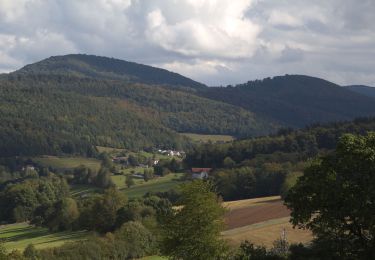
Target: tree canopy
x=335, y=198
x=193, y=232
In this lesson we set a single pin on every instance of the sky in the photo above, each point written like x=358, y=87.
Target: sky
x=217, y=42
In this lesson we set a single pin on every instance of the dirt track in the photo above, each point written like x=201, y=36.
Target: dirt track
x=255, y=213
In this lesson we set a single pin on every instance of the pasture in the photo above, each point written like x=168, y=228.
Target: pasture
x=141, y=187
x=110, y=150
x=62, y=163
x=20, y=235
x=206, y=138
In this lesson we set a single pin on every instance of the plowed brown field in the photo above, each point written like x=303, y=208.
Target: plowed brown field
x=260, y=221
x=254, y=214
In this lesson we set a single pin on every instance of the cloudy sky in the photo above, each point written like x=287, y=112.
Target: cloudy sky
x=217, y=42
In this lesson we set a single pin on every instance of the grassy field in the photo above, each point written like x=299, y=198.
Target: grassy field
x=206, y=138
x=266, y=232
x=67, y=162
x=238, y=204
x=158, y=184
x=18, y=236
x=79, y=190
x=109, y=150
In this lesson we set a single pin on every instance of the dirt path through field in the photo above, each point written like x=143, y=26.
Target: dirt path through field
x=251, y=214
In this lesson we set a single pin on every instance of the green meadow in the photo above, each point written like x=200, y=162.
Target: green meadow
x=20, y=235
x=58, y=162
x=208, y=138
x=155, y=185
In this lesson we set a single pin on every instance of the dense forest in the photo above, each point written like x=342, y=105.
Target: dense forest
x=70, y=104
x=295, y=100
x=270, y=165
x=61, y=114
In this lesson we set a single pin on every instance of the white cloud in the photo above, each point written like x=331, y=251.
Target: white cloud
x=212, y=29
x=215, y=41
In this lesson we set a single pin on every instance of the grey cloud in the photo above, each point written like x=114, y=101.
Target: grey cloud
x=217, y=42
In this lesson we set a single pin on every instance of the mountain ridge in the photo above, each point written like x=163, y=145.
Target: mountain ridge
x=362, y=89
x=107, y=68
x=130, y=105
x=295, y=100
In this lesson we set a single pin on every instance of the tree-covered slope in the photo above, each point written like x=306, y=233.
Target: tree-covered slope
x=49, y=114
x=69, y=104
x=107, y=68
x=37, y=120
x=295, y=100
x=364, y=90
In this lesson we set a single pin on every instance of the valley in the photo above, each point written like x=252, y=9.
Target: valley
x=97, y=152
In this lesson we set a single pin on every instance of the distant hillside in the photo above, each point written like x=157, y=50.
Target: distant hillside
x=295, y=100
x=53, y=114
x=107, y=68
x=72, y=103
x=364, y=90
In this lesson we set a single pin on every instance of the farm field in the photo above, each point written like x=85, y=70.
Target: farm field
x=102, y=149
x=260, y=221
x=141, y=187
x=206, y=138
x=67, y=162
x=18, y=236
x=80, y=190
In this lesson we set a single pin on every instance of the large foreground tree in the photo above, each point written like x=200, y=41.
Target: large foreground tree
x=335, y=198
x=193, y=231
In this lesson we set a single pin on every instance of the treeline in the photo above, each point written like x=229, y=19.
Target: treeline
x=288, y=145
x=269, y=165
x=121, y=228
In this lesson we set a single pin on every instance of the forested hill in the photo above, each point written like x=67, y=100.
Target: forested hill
x=54, y=114
x=70, y=104
x=107, y=68
x=295, y=100
x=364, y=90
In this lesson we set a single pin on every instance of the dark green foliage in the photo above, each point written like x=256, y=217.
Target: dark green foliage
x=249, y=251
x=248, y=182
x=269, y=165
x=335, y=199
x=100, y=212
x=19, y=201
x=193, y=232
x=291, y=146
x=103, y=179
x=108, y=68
x=30, y=252
x=295, y=100
x=39, y=118
x=63, y=215
x=3, y=252
x=131, y=241
x=63, y=114
x=137, y=239
x=129, y=181
x=148, y=174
